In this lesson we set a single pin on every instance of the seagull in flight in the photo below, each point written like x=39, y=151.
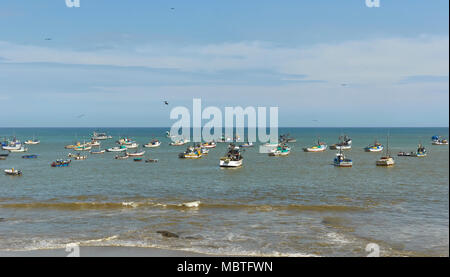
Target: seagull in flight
x=165, y=102
x=48, y=39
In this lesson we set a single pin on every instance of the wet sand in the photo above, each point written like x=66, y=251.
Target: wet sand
x=103, y=251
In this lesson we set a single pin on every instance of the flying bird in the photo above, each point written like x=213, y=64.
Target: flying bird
x=48, y=39
x=165, y=102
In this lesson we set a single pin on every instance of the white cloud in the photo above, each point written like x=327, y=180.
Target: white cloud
x=372, y=61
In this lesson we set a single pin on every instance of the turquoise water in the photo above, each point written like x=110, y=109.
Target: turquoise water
x=289, y=206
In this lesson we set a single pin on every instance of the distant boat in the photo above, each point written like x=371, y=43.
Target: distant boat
x=376, y=147
x=151, y=160
x=405, y=154
x=137, y=159
x=345, y=143
x=98, y=152
x=13, y=145
x=32, y=142
x=191, y=153
x=13, y=172
x=123, y=157
x=100, y=136
x=421, y=151
x=117, y=149
x=179, y=142
x=436, y=140
x=152, y=144
x=20, y=150
x=281, y=150
x=30, y=156
x=208, y=145
x=246, y=145
x=136, y=154
x=386, y=160
x=319, y=147
x=83, y=147
x=61, y=163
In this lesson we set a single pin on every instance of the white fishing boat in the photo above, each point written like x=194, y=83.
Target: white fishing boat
x=13, y=172
x=153, y=143
x=12, y=146
x=123, y=157
x=386, y=160
x=345, y=143
x=376, y=147
x=132, y=145
x=319, y=147
x=233, y=158
x=80, y=157
x=32, y=142
x=98, y=152
x=281, y=150
x=100, y=136
x=209, y=145
x=83, y=147
x=191, y=153
x=94, y=143
x=341, y=161
x=136, y=154
x=117, y=149
x=179, y=142
x=436, y=140
x=20, y=150
x=125, y=141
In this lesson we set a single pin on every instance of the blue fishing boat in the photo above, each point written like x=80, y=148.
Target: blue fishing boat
x=30, y=156
x=61, y=163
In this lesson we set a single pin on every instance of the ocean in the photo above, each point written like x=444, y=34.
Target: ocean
x=299, y=205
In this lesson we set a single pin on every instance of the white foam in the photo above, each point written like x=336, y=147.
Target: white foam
x=194, y=204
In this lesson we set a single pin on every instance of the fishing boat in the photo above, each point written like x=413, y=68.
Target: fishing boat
x=32, y=142
x=421, y=151
x=202, y=149
x=386, y=160
x=83, y=147
x=137, y=159
x=233, y=158
x=281, y=150
x=375, y=147
x=123, y=157
x=151, y=160
x=13, y=145
x=100, y=136
x=136, y=154
x=80, y=157
x=436, y=140
x=191, y=153
x=209, y=145
x=341, y=161
x=98, y=152
x=20, y=150
x=61, y=163
x=178, y=142
x=132, y=145
x=126, y=141
x=405, y=154
x=319, y=147
x=72, y=146
x=153, y=143
x=345, y=143
x=13, y=172
x=29, y=157
x=94, y=143
x=246, y=145
x=117, y=149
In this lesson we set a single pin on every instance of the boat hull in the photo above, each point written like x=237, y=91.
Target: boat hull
x=230, y=163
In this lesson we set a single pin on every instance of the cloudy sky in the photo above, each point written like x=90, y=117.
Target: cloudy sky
x=323, y=63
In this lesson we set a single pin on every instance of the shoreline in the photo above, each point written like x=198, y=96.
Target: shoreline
x=103, y=251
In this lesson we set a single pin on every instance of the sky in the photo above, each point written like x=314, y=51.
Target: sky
x=111, y=63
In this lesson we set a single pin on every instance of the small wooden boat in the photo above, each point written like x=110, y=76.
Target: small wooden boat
x=32, y=142
x=376, y=147
x=137, y=159
x=421, y=151
x=319, y=147
x=178, y=142
x=386, y=160
x=209, y=145
x=405, y=154
x=61, y=163
x=151, y=160
x=191, y=153
x=80, y=158
x=233, y=158
x=136, y=154
x=117, y=149
x=281, y=150
x=98, y=152
x=123, y=157
x=132, y=145
x=84, y=147
x=345, y=143
x=30, y=156
x=152, y=144
x=342, y=161
x=13, y=172
x=20, y=150
x=94, y=143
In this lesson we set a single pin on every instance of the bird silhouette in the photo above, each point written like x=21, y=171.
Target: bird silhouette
x=165, y=102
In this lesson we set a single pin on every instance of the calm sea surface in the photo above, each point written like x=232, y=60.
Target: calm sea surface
x=288, y=206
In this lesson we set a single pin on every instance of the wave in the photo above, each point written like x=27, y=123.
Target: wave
x=185, y=205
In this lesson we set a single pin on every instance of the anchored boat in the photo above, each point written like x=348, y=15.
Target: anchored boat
x=191, y=153
x=13, y=172
x=30, y=156
x=281, y=150
x=319, y=147
x=341, y=161
x=100, y=136
x=136, y=154
x=436, y=140
x=61, y=163
x=233, y=158
x=386, y=160
x=421, y=151
x=376, y=147
x=153, y=143
x=20, y=150
x=117, y=149
x=345, y=143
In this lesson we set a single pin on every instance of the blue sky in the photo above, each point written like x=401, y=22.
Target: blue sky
x=115, y=61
